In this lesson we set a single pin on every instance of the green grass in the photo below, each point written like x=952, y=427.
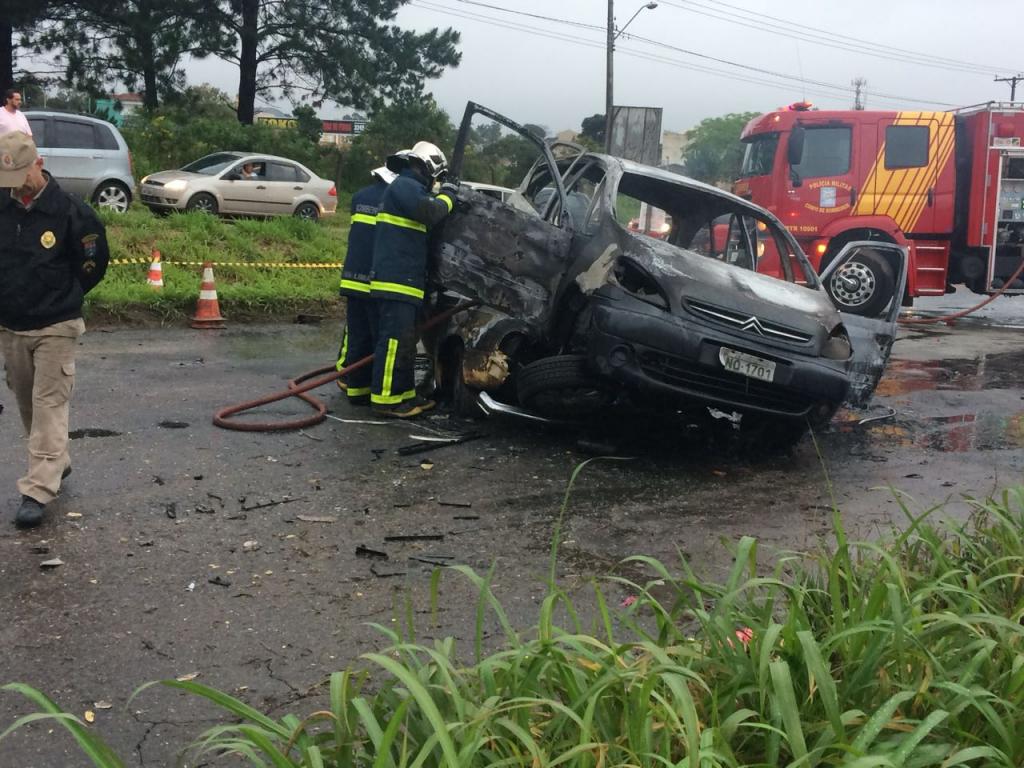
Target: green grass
x=903, y=652
x=244, y=292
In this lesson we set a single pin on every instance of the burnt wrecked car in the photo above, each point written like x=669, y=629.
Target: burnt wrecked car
x=584, y=306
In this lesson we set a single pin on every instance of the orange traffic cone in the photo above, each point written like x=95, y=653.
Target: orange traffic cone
x=207, y=309
x=156, y=272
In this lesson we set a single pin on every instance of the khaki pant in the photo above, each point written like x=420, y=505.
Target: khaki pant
x=40, y=368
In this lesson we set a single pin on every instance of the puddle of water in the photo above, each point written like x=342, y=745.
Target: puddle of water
x=1000, y=370
x=960, y=433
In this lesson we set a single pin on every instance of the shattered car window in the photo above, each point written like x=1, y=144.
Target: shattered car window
x=716, y=227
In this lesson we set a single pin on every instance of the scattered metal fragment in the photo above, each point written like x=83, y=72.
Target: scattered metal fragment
x=54, y=563
x=416, y=537
x=891, y=413
x=169, y=424
x=215, y=496
x=437, y=560
x=204, y=509
x=422, y=446
x=465, y=517
x=220, y=581
x=316, y=518
x=375, y=554
x=304, y=433
x=384, y=574
x=171, y=509
x=459, y=504
x=361, y=421
x=40, y=549
x=271, y=503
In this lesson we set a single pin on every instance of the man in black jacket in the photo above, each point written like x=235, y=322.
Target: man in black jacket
x=53, y=250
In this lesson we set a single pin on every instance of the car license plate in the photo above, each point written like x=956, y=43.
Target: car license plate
x=750, y=366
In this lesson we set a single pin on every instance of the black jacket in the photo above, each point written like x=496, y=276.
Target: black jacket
x=355, y=277
x=50, y=256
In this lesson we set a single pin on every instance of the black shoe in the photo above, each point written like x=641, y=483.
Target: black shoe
x=30, y=513
x=405, y=410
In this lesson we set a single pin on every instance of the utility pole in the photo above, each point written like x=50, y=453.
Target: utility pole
x=610, y=75
x=610, y=52
x=1013, y=84
x=858, y=83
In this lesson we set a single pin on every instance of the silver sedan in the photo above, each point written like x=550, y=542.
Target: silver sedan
x=242, y=184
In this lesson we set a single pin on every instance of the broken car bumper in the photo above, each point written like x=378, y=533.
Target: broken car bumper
x=668, y=357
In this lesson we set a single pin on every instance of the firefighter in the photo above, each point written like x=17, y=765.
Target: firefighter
x=360, y=333
x=408, y=212
x=53, y=250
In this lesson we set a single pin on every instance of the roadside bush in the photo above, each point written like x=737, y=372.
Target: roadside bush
x=905, y=652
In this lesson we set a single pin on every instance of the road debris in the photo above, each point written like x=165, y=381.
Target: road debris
x=432, y=444
x=102, y=705
x=251, y=545
x=73, y=515
x=375, y=554
x=187, y=678
x=316, y=518
x=90, y=716
x=173, y=424
x=426, y=465
x=382, y=574
x=191, y=587
x=416, y=537
x=459, y=504
x=54, y=563
x=219, y=580
x=271, y=503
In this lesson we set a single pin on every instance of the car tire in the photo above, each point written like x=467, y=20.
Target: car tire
x=112, y=195
x=307, y=211
x=561, y=386
x=863, y=285
x=202, y=202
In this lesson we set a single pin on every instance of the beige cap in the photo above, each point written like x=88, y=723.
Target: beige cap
x=17, y=154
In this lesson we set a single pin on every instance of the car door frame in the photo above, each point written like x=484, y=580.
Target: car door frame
x=871, y=338
x=507, y=258
x=243, y=199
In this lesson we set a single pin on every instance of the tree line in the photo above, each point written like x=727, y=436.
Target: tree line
x=348, y=51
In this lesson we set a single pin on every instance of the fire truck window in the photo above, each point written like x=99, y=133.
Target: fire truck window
x=906, y=146
x=826, y=153
x=759, y=155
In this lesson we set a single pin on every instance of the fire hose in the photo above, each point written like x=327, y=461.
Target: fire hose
x=952, y=318
x=298, y=389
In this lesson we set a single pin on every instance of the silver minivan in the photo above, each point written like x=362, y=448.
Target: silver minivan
x=87, y=156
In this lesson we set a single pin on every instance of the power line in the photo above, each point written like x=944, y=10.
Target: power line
x=592, y=43
x=788, y=28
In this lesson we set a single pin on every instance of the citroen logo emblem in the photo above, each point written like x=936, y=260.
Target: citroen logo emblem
x=753, y=324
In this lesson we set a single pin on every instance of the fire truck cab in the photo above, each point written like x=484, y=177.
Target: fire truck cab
x=949, y=186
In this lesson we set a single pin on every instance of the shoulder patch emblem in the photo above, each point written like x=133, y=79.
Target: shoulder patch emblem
x=88, y=266
x=48, y=239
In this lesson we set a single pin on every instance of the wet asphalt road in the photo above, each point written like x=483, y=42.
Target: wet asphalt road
x=158, y=580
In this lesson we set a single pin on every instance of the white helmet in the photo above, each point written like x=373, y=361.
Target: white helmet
x=431, y=156
x=384, y=173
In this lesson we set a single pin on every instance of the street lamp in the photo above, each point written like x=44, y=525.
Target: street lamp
x=610, y=51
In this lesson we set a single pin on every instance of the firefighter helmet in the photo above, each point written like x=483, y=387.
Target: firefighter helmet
x=431, y=156
x=384, y=173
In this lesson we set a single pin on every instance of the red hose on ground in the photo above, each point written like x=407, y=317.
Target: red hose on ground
x=950, y=319
x=297, y=389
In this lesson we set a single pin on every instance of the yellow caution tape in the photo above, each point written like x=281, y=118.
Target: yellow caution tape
x=274, y=264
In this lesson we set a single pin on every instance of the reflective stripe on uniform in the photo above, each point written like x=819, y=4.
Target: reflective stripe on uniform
x=358, y=391
x=389, y=367
x=344, y=352
x=392, y=399
x=405, y=290
x=401, y=221
x=364, y=218
x=447, y=201
x=354, y=285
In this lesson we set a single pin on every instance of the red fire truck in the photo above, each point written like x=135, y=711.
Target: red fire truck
x=947, y=185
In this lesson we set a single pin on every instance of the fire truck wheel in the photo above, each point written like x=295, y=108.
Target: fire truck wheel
x=863, y=285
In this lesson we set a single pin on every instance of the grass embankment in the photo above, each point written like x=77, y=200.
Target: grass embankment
x=906, y=652
x=244, y=292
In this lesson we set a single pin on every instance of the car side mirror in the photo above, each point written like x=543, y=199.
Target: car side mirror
x=795, y=146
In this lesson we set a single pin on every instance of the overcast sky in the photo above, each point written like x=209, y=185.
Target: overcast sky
x=525, y=67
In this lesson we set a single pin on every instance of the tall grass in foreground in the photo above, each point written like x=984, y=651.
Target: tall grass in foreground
x=904, y=652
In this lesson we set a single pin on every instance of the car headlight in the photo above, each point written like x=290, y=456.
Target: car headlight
x=178, y=185
x=838, y=345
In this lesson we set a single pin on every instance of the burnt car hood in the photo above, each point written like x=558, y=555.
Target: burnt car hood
x=701, y=286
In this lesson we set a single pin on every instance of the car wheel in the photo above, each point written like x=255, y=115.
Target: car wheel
x=202, y=202
x=307, y=211
x=863, y=285
x=561, y=386
x=113, y=195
